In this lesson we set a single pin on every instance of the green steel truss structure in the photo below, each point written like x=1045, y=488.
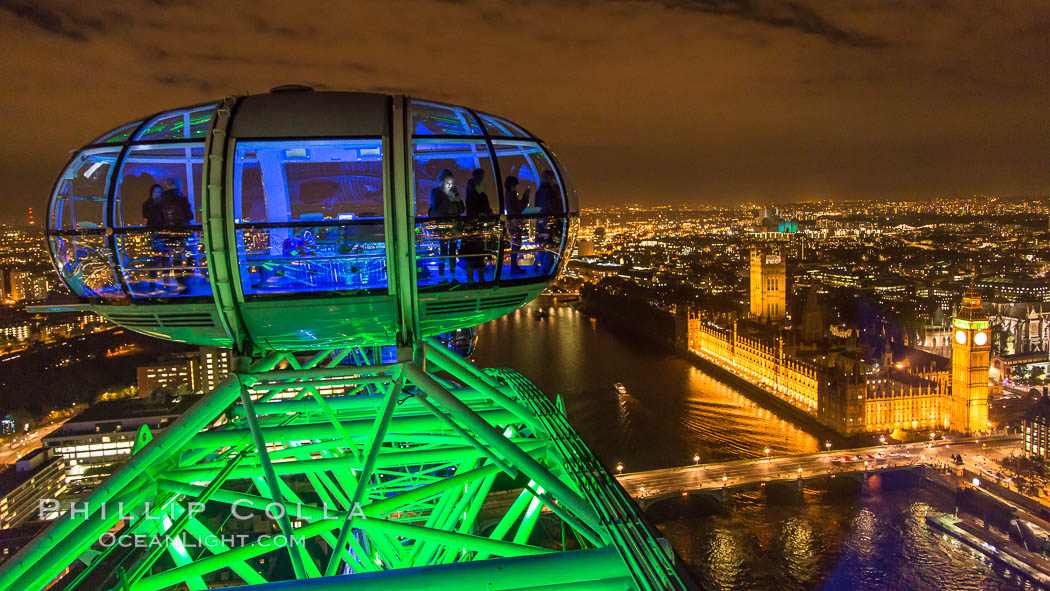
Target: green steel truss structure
x=302, y=472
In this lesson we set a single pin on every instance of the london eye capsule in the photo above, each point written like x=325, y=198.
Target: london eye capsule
x=299, y=219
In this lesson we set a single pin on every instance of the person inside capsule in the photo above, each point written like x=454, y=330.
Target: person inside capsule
x=445, y=202
x=515, y=206
x=154, y=219
x=548, y=230
x=177, y=213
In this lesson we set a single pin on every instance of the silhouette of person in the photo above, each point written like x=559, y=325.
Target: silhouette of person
x=153, y=214
x=516, y=227
x=444, y=203
x=477, y=200
x=177, y=213
x=548, y=231
x=472, y=248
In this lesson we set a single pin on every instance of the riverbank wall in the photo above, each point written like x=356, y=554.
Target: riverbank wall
x=766, y=399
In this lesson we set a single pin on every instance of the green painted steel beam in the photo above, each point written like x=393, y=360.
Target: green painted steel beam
x=356, y=428
x=422, y=464
x=272, y=483
x=497, y=441
x=360, y=402
x=377, y=438
x=582, y=570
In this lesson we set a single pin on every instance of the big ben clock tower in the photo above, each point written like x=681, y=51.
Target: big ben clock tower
x=971, y=354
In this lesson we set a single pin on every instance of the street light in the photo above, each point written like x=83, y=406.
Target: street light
x=619, y=467
x=725, y=480
x=696, y=459
x=827, y=445
x=882, y=439
x=767, y=454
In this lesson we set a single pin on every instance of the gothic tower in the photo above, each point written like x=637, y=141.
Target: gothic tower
x=971, y=354
x=768, y=285
x=813, y=326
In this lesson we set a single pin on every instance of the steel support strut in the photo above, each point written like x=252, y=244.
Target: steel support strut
x=387, y=480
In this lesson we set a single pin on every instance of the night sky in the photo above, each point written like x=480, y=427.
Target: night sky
x=687, y=102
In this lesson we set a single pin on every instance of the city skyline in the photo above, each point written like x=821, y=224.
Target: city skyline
x=523, y=294
x=695, y=103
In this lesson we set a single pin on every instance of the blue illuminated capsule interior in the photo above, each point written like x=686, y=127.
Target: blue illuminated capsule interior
x=276, y=220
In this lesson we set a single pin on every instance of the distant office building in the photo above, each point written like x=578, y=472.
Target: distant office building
x=585, y=248
x=39, y=475
x=768, y=286
x=18, y=332
x=198, y=372
x=12, y=539
x=26, y=286
x=181, y=371
x=103, y=435
x=215, y=365
x=1035, y=425
x=765, y=213
x=1015, y=289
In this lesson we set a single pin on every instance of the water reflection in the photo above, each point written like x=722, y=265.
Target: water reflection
x=829, y=540
x=672, y=412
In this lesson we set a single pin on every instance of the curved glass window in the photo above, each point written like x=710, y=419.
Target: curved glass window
x=79, y=202
x=454, y=252
x=457, y=230
x=572, y=201
x=164, y=263
x=308, y=180
x=539, y=189
x=532, y=247
x=461, y=158
x=85, y=264
x=173, y=167
x=184, y=124
x=500, y=126
x=437, y=119
x=157, y=213
x=534, y=237
x=310, y=216
x=118, y=135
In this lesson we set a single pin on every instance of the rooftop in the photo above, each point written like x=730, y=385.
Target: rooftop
x=917, y=360
x=130, y=408
x=12, y=478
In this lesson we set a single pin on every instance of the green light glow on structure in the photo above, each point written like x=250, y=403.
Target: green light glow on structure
x=971, y=324
x=394, y=474
x=423, y=473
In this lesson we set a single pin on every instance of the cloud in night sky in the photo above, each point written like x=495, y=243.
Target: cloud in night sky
x=650, y=101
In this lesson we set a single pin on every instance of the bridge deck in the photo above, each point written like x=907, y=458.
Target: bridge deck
x=664, y=482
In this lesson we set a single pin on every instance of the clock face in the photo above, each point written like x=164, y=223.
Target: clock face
x=980, y=338
x=960, y=337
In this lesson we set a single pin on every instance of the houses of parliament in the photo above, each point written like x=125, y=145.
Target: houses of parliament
x=893, y=389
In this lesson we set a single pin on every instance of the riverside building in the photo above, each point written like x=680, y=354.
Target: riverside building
x=898, y=389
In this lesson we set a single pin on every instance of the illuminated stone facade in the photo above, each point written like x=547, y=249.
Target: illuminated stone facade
x=768, y=286
x=904, y=389
x=762, y=363
x=971, y=356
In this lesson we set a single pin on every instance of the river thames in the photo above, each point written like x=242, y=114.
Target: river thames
x=673, y=411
